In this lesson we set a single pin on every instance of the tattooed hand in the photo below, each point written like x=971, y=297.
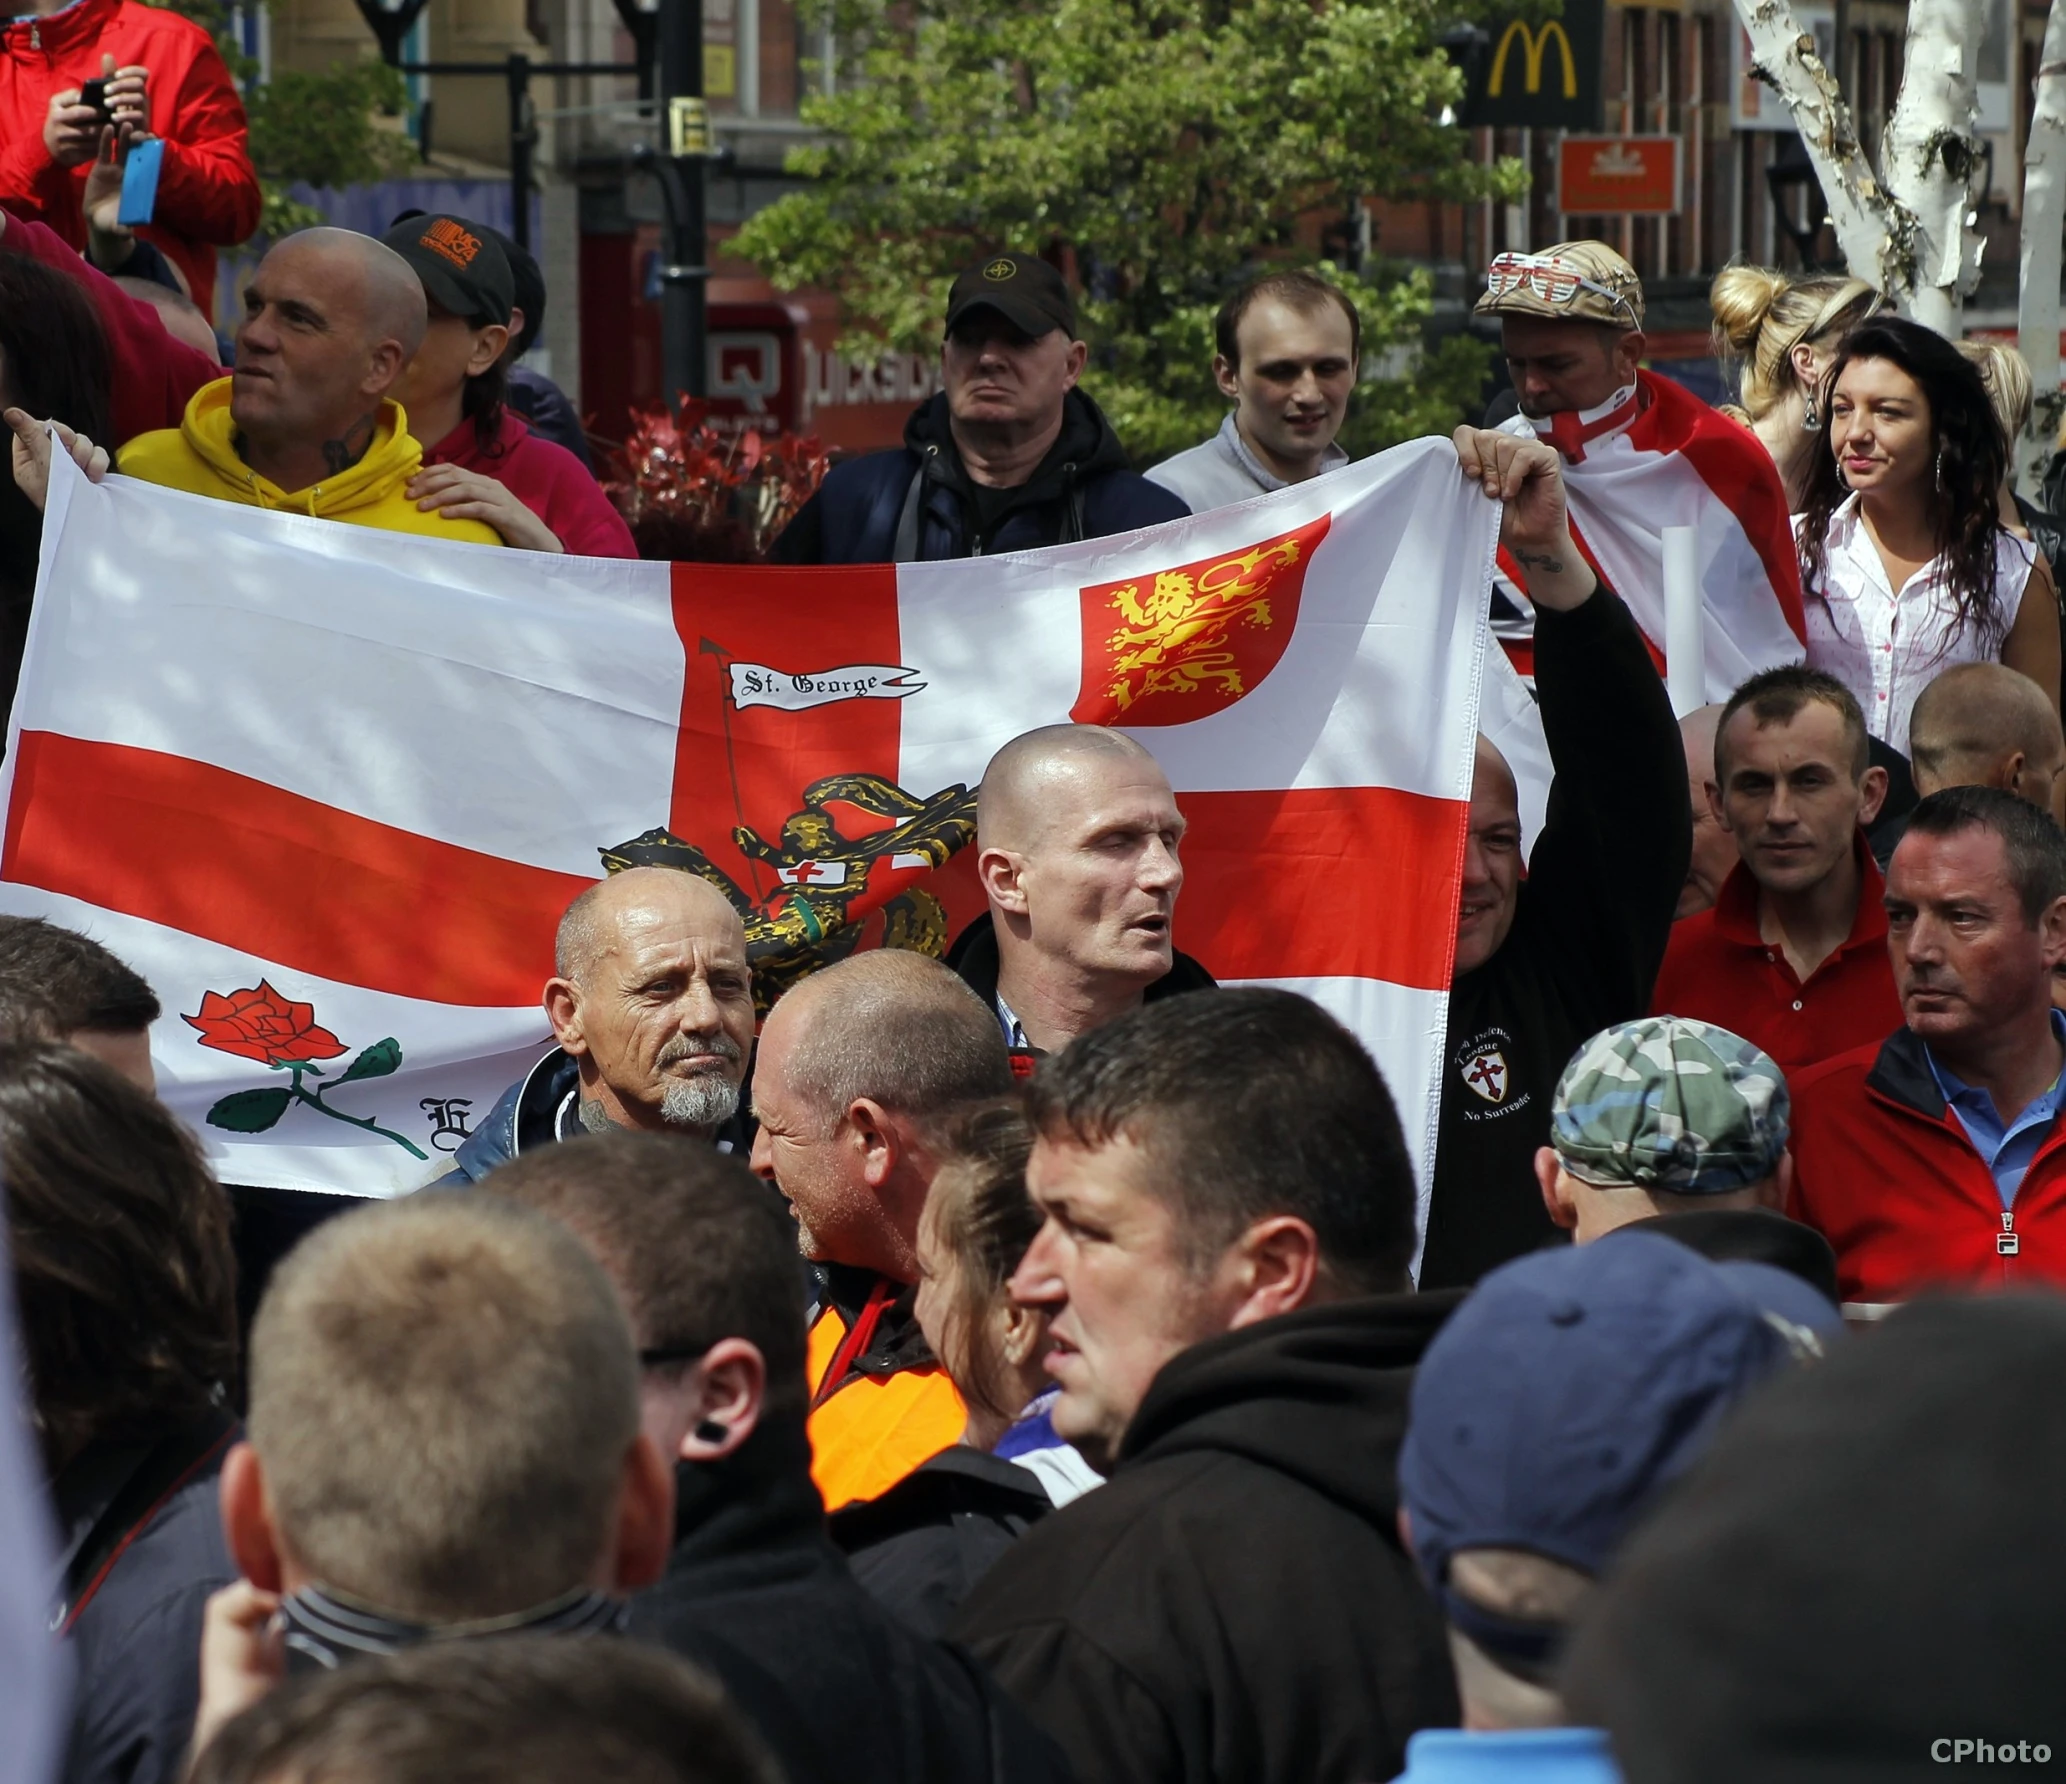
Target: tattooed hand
x=1528, y=477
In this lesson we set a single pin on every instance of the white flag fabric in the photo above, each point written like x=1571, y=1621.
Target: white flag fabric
x=329, y=789
x=1659, y=457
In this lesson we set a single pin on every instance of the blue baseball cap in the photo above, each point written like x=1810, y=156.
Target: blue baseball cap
x=1570, y=1388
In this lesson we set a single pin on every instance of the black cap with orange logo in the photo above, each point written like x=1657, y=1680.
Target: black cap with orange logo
x=462, y=266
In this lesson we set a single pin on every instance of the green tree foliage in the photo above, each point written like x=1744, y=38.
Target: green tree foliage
x=1173, y=146
x=321, y=130
x=314, y=129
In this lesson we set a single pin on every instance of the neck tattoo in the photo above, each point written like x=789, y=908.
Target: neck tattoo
x=340, y=455
x=592, y=1116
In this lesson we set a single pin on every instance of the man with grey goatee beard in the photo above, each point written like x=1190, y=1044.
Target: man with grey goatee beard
x=651, y=1001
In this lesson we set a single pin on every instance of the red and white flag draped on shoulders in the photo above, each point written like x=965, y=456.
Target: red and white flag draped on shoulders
x=1656, y=456
x=330, y=788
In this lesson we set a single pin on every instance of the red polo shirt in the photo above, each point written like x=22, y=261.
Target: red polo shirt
x=1718, y=968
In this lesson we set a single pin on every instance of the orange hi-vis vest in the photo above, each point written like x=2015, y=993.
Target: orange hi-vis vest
x=869, y=1430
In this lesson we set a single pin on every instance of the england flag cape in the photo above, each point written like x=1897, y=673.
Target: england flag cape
x=1655, y=456
x=329, y=789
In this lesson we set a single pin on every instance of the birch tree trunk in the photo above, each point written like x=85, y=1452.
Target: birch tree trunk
x=1928, y=157
x=1859, y=209
x=2037, y=319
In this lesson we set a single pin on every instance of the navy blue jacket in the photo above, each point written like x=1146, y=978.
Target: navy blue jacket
x=915, y=504
x=144, y=1548
x=531, y=1113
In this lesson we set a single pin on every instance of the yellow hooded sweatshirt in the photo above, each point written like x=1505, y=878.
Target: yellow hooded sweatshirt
x=199, y=457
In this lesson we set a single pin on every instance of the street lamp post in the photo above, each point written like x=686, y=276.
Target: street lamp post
x=684, y=348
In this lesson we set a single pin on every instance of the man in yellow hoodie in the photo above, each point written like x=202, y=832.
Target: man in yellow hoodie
x=304, y=423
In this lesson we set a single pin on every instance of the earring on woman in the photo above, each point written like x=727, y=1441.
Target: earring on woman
x=1940, y=470
x=1811, y=422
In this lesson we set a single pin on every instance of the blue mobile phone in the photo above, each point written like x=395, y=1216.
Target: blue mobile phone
x=140, y=182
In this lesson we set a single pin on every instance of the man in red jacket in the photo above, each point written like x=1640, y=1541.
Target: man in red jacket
x=1938, y=1157
x=1793, y=954
x=164, y=80
x=152, y=376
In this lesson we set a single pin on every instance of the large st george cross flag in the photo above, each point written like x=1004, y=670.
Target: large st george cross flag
x=330, y=789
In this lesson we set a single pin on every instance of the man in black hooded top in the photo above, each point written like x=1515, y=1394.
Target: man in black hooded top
x=1009, y=456
x=704, y=1259
x=1228, y=1210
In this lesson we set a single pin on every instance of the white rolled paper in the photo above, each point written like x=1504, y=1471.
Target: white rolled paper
x=1685, y=645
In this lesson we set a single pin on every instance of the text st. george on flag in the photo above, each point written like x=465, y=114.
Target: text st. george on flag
x=330, y=789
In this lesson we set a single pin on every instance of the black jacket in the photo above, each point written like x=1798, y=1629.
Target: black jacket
x=841, y=1691
x=536, y=1111
x=974, y=956
x=917, y=504
x=1233, y=1604
x=143, y=1549
x=1594, y=915
x=920, y=1548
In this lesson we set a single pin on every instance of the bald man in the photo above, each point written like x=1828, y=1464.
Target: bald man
x=651, y=1001
x=1547, y=957
x=861, y=1068
x=304, y=423
x=1714, y=850
x=1078, y=838
x=1986, y=725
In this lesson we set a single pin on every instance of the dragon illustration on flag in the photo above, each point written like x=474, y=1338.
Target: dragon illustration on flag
x=826, y=883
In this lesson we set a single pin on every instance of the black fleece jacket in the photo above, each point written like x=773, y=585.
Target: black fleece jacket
x=1082, y=489
x=1234, y=1604
x=1589, y=933
x=840, y=1690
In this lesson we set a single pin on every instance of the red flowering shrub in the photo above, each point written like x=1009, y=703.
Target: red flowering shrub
x=693, y=495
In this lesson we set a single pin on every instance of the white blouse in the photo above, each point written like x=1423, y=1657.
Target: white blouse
x=1887, y=647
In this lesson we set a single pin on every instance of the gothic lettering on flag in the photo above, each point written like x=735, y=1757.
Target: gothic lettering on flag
x=330, y=790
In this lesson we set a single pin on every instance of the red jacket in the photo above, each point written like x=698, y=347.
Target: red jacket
x=548, y=479
x=1719, y=969
x=1884, y=1171
x=153, y=374
x=207, y=189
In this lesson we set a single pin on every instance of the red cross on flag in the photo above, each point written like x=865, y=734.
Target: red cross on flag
x=329, y=789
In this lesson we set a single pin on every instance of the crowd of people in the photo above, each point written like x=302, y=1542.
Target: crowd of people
x=1035, y=1364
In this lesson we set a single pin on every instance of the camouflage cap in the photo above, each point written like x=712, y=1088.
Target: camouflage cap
x=1571, y=282
x=1673, y=1104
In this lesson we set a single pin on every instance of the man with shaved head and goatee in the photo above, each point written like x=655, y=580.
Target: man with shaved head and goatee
x=1077, y=834
x=651, y=1001
x=304, y=424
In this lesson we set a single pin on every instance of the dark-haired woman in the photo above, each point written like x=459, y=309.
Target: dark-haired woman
x=126, y=1289
x=480, y=460
x=54, y=364
x=922, y=1546
x=1907, y=567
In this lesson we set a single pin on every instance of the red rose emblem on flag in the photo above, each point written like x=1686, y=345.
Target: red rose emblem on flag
x=277, y=1032
x=260, y=1024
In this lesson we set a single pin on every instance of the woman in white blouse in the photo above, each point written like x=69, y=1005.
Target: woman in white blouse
x=1906, y=567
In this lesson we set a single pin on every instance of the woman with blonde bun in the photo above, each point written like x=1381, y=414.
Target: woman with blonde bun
x=1786, y=332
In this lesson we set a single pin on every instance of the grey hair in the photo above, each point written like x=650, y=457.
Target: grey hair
x=899, y=1029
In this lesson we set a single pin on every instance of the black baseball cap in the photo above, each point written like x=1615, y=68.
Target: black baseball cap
x=462, y=266
x=1022, y=288
x=528, y=279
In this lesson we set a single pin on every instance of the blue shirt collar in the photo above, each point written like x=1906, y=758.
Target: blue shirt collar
x=1969, y=1100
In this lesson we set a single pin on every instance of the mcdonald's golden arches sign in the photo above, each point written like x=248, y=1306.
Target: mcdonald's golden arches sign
x=1538, y=70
